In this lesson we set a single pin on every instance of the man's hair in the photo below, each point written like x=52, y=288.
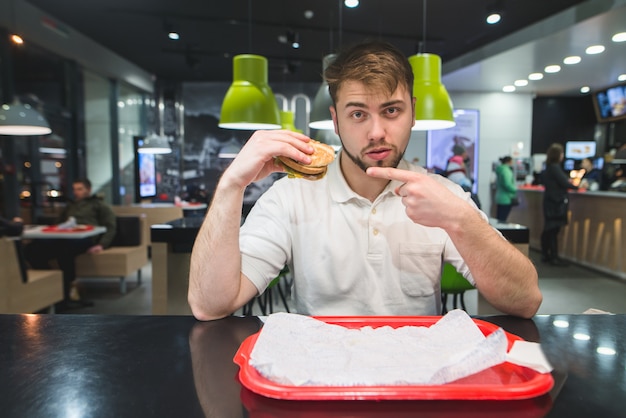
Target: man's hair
x=378, y=65
x=84, y=181
x=553, y=155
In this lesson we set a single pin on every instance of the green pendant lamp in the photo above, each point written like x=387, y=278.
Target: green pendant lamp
x=320, y=114
x=249, y=103
x=433, y=107
x=21, y=119
x=287, y=121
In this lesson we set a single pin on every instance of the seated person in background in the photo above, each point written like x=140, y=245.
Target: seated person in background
x=619, y=181
x=11, y=228
x=86, y=210
x=456, y=170
x=369, y=238
x=592, y=179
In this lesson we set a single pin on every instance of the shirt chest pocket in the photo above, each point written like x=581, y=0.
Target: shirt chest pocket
x=420, y=268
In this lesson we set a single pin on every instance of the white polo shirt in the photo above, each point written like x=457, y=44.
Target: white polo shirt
x=348, y=256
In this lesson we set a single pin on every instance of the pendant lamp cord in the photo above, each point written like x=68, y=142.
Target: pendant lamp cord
x=250, y=26
x=330, y=30
x=422, y=45
x=339, y=2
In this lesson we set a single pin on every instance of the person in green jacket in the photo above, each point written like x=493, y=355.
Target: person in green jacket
x=86, y=209
x=506, y=190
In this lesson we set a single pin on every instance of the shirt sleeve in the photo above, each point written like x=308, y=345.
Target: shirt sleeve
x=265, y=239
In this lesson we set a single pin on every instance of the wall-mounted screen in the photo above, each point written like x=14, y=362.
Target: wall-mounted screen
x=610, y=103
x=145, y=173
x=578, y=150
x=569, y=164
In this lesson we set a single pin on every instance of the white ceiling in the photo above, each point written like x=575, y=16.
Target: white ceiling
x=545, y=43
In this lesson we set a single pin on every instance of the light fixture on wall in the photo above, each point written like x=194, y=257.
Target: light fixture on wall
x=249, y=103
x=154, y=144
x=433, y=107
x=21, y=119
x=320, y=111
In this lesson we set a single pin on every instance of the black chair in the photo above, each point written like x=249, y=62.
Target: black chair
x=266, y=301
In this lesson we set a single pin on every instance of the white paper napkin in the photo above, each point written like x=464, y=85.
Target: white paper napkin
x=529, y=354
x=69, y=224
x=299, y=350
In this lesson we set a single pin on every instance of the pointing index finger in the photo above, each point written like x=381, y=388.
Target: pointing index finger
x=390, y=173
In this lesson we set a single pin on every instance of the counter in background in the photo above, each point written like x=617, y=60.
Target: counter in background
x=595, y=236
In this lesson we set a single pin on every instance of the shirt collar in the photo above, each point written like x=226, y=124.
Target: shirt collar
x=340, y=192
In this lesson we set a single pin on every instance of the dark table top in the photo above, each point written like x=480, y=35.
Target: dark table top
x=180, y=234
x=175, y=366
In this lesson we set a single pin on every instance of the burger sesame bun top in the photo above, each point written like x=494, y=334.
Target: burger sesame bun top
x=322, y=156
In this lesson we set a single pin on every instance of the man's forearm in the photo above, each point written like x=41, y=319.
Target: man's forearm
x=504, y=276
x=215, y=270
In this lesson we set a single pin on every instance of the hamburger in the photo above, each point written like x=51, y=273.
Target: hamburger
x=322, y=156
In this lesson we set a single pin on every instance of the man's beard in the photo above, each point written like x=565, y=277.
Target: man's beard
x=381, y=163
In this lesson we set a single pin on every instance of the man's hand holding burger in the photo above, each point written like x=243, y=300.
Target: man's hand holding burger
x=256, y=159
x=323, y=155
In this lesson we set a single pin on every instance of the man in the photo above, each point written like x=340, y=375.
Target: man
x=86, y=210
x=371, y=237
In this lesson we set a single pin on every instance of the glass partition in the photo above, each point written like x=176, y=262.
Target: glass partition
x=98, y=134
x=130, y=108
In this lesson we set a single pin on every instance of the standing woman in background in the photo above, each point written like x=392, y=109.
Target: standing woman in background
x=555, y=205
x=506, y=190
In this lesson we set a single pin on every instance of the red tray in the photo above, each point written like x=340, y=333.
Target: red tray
x=77, y=228
x=505, y=381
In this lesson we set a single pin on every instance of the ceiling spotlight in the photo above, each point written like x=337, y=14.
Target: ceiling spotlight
x=535, y=76
x=594, y=49
x=293, y=38
x=574, y=59
x=351, y=3
x=494, y=13
x=508, y=89
x=521, y=83
x=621, y=77
x=619, y=37
x=17, y=39
x=551, y=69
x=585, y=89
x=493, y=18
x=172, y=33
